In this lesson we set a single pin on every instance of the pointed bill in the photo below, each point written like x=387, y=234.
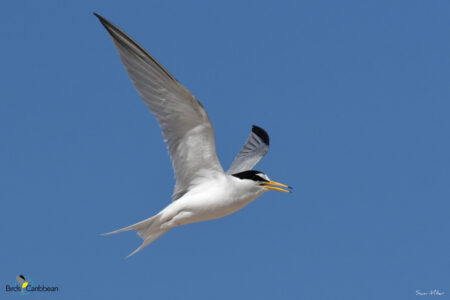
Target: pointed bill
x=273, y=185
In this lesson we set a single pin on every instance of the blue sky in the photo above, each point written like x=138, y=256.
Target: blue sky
x=354, y=94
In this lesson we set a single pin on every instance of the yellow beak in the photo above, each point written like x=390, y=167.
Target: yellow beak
x=269, y=185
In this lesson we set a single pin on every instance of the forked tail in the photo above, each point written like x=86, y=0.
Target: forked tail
x=148, y=229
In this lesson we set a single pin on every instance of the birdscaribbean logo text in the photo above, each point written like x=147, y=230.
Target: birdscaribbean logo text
x=26, y=285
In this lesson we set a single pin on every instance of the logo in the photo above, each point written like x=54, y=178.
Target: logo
x=23, y=283
x=26, y=285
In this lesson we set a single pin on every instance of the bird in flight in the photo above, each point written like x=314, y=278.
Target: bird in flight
x=203, y=191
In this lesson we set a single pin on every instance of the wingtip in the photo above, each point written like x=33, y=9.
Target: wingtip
x=104, y=21
x=97, y=15
x=110, y=27
x=261, y=133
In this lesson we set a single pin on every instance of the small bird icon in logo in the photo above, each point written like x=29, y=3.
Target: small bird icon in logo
x=22, y=282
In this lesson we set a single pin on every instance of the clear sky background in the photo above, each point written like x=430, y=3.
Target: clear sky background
x=354, y=94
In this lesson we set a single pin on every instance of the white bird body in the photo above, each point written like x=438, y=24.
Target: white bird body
x=203, y=191
x=212, y=197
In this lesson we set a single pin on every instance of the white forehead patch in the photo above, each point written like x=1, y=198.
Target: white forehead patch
x=264, y=176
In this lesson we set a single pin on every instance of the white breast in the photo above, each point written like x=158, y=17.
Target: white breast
x=213, y=197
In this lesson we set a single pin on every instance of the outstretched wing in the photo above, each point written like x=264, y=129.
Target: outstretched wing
x=254, y=149
x=185, y=126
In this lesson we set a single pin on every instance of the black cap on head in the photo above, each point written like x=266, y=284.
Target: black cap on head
x=250, y=174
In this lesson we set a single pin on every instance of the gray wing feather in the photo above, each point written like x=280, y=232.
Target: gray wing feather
x=253, y=151
x=185, y=126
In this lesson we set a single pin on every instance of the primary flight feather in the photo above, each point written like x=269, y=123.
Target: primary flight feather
x=202, y=190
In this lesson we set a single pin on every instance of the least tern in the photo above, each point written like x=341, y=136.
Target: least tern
x=203, y=191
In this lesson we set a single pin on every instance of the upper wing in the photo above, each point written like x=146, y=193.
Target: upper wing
x=186, y=127
x=254, y=149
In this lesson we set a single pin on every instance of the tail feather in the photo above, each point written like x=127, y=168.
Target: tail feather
x=141, y=227
x=147, y=229
x=150, y=238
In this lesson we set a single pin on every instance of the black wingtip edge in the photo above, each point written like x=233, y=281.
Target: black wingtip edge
x=104, y=22
x=101, y=19
x=97, y=15
x=261, y=133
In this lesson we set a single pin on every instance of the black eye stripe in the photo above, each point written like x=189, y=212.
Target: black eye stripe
x=250, y=174
x=257, y=178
